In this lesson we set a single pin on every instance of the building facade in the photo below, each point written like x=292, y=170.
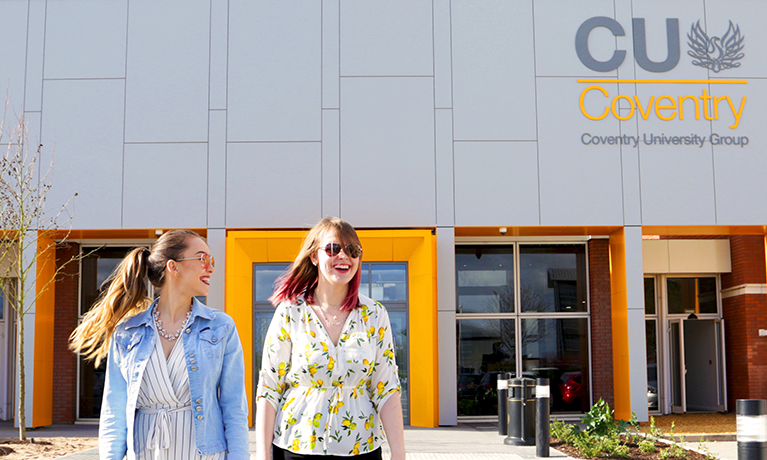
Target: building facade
x=561, y=189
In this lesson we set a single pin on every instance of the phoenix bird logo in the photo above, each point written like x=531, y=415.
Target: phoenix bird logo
x=715, y=53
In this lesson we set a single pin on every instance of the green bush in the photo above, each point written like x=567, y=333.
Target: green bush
x=647, y=445
x=599, y=420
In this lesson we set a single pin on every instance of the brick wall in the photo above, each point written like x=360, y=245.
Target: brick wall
x=744, y=315
x=601, y=321
x=65, y=321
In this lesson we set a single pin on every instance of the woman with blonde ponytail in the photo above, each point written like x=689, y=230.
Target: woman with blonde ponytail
x=175, y=379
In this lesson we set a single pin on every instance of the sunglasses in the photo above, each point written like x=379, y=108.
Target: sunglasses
x=207, y=260
x=351, y=250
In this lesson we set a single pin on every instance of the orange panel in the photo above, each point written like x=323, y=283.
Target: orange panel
x=534, y=231
x=42, y=380
x=687, y=230
x=619, y=300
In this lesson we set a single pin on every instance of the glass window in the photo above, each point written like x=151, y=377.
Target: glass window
x=558, y=349
x=649, y=296
x=691, y=295
x=264, y=277
x=95, y=269
x=552, y=278
x=398, y=321
x=651, y=339
x=388, y=282
x=485, y=279
x=486, y=347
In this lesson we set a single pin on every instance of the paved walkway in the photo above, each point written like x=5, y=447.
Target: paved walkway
x=463, y=442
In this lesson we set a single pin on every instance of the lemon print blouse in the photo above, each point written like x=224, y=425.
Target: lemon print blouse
x=328, y=396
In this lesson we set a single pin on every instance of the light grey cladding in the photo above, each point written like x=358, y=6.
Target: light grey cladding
x=331, y=162
x=749, y=17
x=579, y=184
x=387, y=151
x=386, y=38
x=677, y=180
x=443, y=64
x=168, y=71
x=445, y=167
x=83, y=127
x=273, y=185
x=739, y=173
x=13, y=36
x=85, y=39
x=448, y=379
x=688, y=12
x=33, y=89
x=331, y=52
x=556, y=24
x=493, y=70
x=496, y=183
x=162, y=186
x=632, y=193
x=217, y=169
x=275, y=74
x=217, y=244
x=219, y=39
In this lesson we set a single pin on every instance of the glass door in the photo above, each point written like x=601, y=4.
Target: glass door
x=678, y=368
x=7, y=357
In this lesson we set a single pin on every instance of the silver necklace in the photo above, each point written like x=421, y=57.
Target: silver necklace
x=335, y=322
x=161, y=330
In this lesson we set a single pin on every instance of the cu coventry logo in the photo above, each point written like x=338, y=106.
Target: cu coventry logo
x=715, y=53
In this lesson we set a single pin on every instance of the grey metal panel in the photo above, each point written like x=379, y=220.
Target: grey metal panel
x=331, y=66
x=386, y=38
x=219, y=39
x=579, y=184
x=556, y=23
x=632, y=194
x=387, y=151
x=493, y=70
x=655, y=13
x=448, y=372
x=85, y=39
x=749, y=16
x=331, y=162
x=677, y=180
x=162, y=186
x=638, y=363
x=83, y=126
x=13, y=53
x=496, y=184
x=273, y=185
x=217, y=244
x=217, y=169
x=275, y=71
x=741, y=195
x=34, y=123
x=445, y=181
x=33, y=89
x=167, y=71
x=443, y=65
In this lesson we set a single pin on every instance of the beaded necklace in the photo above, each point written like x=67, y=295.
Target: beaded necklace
x=161, y=330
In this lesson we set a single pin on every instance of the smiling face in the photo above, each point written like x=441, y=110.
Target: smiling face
x=334, y=271
x=193, y=278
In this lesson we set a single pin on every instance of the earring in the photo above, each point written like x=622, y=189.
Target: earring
x=176, y=273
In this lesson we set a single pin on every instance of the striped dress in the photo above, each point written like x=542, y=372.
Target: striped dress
x=164, y=428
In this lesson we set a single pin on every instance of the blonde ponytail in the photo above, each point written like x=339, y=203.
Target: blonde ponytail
x=126, y=294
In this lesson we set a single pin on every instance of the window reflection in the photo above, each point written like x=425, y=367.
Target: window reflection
x=264, y=278
x=558, y=349
x=691, y=295
x=484, y=279
x=553, y=278
x=486, y=348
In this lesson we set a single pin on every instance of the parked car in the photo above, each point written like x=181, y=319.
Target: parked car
x=571, y=387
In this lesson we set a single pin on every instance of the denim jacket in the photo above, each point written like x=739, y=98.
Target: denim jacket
x=216, y=367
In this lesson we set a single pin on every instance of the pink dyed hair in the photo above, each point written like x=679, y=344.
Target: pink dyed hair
x=301, y=277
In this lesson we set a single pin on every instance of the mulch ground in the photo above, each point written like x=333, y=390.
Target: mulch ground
x=714, y=423
x=634, y=453
x=43, y=448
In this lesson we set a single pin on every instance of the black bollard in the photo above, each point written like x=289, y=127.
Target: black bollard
x=751, y=420
x=503, y=394
x=543, y=431
x=521, y=413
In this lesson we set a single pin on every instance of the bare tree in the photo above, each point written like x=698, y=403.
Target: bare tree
x=30, y=231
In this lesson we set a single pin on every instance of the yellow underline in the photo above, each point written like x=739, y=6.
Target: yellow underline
x=715, y=82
